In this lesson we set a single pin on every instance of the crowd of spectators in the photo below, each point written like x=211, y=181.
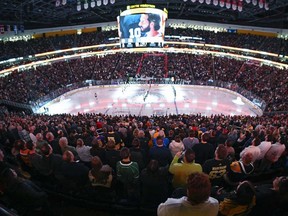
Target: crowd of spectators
x=45, y=44
x=196, y=160
x=248, y=41
x=268, y=83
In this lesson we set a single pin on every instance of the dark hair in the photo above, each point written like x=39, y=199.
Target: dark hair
x=124, y=153
x=97, y=172
x=45, y=149
x=270, y=138
x=245, y=193
x=283, y=185
x=221, y=151
x=247, y=158
x=189, y=155
x=256, y=141
x=110, y=144
x=205, y=137
x=95, y=143
x=30, y=145
x=67, y=156
x=193, y=133
x=177, y=137
x=153, y=166
x=229, y=142
x=155, y=18
x=136, y=142
x=19, y=144
x=96, y=164
x=7, y=178
x=198, y=188
x=255, y=133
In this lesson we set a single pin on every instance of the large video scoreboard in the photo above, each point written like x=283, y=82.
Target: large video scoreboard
x=142, y=26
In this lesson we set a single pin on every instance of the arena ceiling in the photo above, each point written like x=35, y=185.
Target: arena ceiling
x=44, y=13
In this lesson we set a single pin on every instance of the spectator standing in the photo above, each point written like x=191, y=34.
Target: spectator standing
x=204, y=150
x=181, y=170
x=192, y=140
x=160, y=153
x=216, y=168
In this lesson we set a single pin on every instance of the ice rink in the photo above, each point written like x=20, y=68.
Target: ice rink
x=149, y=99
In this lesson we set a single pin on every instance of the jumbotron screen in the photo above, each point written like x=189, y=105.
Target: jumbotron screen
x=142, y=26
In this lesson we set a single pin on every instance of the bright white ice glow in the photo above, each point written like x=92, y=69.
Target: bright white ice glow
x=238, y=101
x=149, y=100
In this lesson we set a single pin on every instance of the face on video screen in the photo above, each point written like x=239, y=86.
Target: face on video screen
x=141, y=25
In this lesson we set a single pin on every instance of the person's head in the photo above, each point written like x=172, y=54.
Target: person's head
x=245, y=193
x=255, y=134
x=39, y=137
x=136, y=143
x=80, y=142
x=46, y=149
x=22, y=144
x=281, y=184
x=144, y=23
x=154, y=20
x=141, y=134
x=63, y=142
x=125, y=153
x=198, y=188
x=110, y=129
x=159, y=141
x=30, y=145
x=49, y=136
x=96, y=163
x=192, y=133
x=7, y=177
x=153, y=166
x=189, y=156
x=68, y=156
x=205, y=137
x=161, y=133
x=110, y=145
x=247, y=158
x=96, y=143
x=229, y=142
x=60, y=133
x=136, y=132
x=269, y=138
x=221, y=152
x=177, y=138
x=256, y=141
x=148, y=21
